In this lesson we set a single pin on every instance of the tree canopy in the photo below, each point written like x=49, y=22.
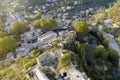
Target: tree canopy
x=34, y=17
x=36, y=23
x=37, y=15
x=2, y=26
x=118, y=39
x=101, y=53
x=81, y=28
x=7, y=45
x=45, y=24
x=18, y=28
x=64, y=61
x=3, y=34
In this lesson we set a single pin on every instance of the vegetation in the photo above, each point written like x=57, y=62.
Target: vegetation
x=17, y=70
x=3, y=34
x=94, y=73
x=64, y=61
x=69, y=23
x=79, y=49
x=50, y=73
x=118, y=39
x=100, y=58
x=103, y=54
x=114, y=12
x=1, y=26
x=34, y=17
x=29, y=60
x=78, y=58
x=96, y=62
x=37, y=15
x=101, y=15
x=81, y=28
x=18, y=28
x=6, y=45
x=3, y=16
x=101, y=38
x=36, y=23
x=34, y=2
x=114, y=31
x=45, y=24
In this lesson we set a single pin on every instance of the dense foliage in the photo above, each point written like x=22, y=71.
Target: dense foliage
x=34, y=17
x=81, y=28
x=3, y=34
x=118, y=39
x=64, y=61
x=17, y=69
x=18, y=28
x=6, y=45
x=114, y=12
x=99, y=59
x=45, y=24
x=103, y=54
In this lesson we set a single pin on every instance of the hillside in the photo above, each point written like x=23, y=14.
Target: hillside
x=59, y=40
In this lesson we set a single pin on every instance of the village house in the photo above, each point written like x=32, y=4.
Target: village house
x=61, y=33
x=45, y=39
x=48, y=59
x=10, y=56
x=28, y=37
x=60, y=28
x=36, y=74
x=20, y=52
x=47, y=36
x=73, y=74
x=69, y=37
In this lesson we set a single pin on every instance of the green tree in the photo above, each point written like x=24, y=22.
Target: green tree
x=69, y=23
x=101, y=52
x=80, y=51
x=64, y=61
x=36, y=23
x=3, y=34
x=18, y=28
x=118, y=39
x=36, y=16
x=112, y=56
x=45, y=24
x=2, y=26
x=7, y=45
x=81, y=28
x=104, y=54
